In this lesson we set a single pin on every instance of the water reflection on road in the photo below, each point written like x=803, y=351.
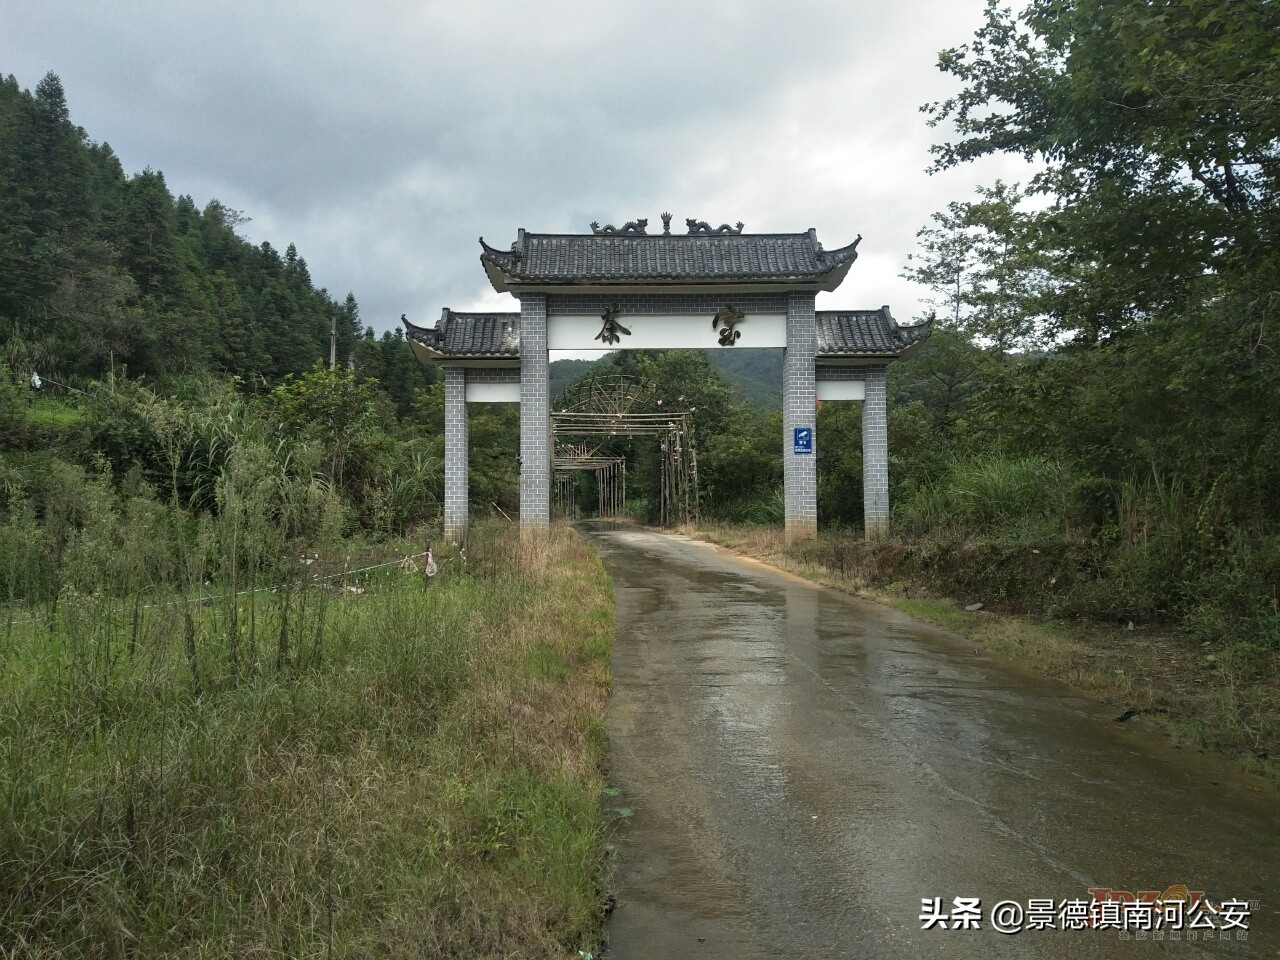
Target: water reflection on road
x=804, y=767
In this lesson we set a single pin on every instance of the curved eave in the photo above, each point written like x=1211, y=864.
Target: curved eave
x=845, y=254
x=421, y=341
x=835, y=277
x=498, y=263
x=432, y=357
x=498, y=277
x=917, y=333
x=424, y=353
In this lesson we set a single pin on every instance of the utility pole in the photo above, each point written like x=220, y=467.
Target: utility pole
x=333, y=343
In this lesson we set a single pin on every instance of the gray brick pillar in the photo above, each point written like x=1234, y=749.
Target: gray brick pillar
x=456, y=453
x=875, y=453
x=799, y=410
x=535, y=415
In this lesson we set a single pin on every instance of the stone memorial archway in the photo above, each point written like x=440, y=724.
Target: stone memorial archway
x=711, y=288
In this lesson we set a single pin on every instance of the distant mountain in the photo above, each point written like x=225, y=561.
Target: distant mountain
x=754, y=375
x=565, y=372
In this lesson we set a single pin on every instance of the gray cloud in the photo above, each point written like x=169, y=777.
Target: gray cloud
x=384, y=139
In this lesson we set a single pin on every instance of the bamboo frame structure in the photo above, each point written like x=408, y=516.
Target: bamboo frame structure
x=620, y=406
x=610, y=471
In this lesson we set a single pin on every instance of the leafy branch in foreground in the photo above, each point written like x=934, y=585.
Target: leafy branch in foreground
x=1158, y=135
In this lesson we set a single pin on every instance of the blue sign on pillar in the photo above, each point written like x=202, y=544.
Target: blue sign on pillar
x=804, y=440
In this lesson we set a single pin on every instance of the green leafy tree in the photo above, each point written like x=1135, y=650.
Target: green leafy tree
x=342, y=413
x=147, y=240
x=59, y=177
x=96, y=307
x=944, y=379
x=740, y=465
x=1156, y=129
x=988, y=269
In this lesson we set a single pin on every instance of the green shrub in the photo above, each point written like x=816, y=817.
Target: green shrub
x=769, y=508
x=1017, y=497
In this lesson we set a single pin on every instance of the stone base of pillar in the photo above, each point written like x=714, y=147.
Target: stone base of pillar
x=798, y=531
x=533, y=529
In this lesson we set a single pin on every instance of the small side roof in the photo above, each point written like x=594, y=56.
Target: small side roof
x=868, y=333
x=466, y=336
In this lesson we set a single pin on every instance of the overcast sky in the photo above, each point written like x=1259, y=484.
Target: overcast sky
x=383, y=138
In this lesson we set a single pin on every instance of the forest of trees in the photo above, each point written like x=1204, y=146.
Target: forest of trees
x=102, y=271
x=1124, y=300
x=147, y=319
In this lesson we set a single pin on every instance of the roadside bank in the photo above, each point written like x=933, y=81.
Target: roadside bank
x=418, y=772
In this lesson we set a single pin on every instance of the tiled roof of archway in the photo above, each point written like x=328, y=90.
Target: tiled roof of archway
x=470, y=335
x=604, y=259
x=866, y=333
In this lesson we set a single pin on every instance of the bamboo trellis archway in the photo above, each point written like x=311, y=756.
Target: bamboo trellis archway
x=598, y=408
x=610, y=471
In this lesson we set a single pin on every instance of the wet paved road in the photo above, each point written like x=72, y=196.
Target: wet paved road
x=804, y=767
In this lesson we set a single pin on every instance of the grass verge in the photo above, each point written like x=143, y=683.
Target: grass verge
x=1223, y=697
x=386, y=769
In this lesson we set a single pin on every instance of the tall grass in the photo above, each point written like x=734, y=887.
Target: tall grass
x=760, y=509
x=348, y=766
x=992, y=492
x=1175, y=554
